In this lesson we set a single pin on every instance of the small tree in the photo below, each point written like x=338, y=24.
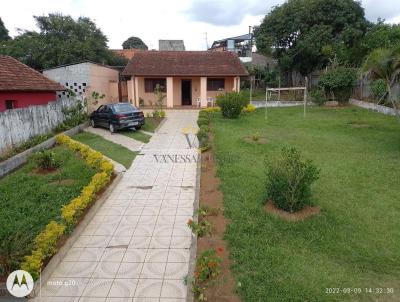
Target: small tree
x=339, y=82
x=160, y=97
x=383, y=63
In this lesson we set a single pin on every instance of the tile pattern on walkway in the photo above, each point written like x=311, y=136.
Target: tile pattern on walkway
x=137, y=246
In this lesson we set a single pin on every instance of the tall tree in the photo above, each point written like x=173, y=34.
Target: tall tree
x=380, y=35
x=134, y=42
x=60, y=40
x=305, y=34
x=3, y=32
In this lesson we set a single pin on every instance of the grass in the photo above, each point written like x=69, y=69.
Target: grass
x=137, y=135
x=30, y=201
x=353, y=243
x=114, y=151
x=151, y=124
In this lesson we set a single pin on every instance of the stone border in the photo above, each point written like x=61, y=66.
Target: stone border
x=374, y=107
x=11, y=164
x=57, y=258
x=193, y=245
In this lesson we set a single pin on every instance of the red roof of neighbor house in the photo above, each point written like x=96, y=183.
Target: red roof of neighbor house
x=185, y=63
x=127, y=53
x=15, y=75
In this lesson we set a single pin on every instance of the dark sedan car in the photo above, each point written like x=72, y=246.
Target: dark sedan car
x=117, y=116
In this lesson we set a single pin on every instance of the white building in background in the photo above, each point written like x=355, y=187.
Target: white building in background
x=87, y=77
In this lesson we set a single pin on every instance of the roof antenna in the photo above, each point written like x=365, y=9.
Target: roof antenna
x=205, y=34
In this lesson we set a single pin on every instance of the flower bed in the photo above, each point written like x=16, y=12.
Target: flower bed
x=45, y=244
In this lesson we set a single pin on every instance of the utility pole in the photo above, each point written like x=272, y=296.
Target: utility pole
x=205, y=35
x=251, y=62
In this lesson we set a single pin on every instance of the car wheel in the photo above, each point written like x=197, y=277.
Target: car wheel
x=112, y=128
x=138, y=127
x=93, y=123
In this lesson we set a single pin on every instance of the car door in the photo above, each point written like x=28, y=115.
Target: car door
x=108, y=115
x=95, y=116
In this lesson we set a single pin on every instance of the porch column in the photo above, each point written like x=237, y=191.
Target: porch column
x=170, y=92
x=203, y=91
x=136, y=91
x=236, y=84
x=131, y=91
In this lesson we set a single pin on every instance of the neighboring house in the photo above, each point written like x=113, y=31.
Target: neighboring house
x=22, y=86
x=171, y=45
x=185, y=76
x=85, y=78
x=242, y=45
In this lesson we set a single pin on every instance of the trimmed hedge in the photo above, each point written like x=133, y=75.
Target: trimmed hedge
x=46, y=242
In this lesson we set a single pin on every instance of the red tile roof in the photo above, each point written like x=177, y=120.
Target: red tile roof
x=185, y=63
x=15, y=75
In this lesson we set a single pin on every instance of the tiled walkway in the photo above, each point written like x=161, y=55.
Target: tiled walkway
x=138, y=244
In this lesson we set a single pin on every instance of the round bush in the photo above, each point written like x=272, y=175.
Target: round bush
x=340, y=81
x=232, y=104
x=289, y=180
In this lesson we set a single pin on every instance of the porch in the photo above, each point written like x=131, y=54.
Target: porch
x=181, y=92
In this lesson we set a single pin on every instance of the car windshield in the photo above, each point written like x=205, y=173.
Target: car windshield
x=118, y=108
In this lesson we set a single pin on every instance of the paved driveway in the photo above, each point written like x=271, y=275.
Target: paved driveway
x=137, y=246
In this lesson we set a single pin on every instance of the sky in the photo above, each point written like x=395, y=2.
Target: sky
x=197, y=22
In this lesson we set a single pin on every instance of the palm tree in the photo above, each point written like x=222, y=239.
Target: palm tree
x=384, y=63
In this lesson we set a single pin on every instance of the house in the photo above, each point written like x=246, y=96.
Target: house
x=85, y=78
x=171, y=45
x=242, y=45
x=22, y=86
x=187, y=77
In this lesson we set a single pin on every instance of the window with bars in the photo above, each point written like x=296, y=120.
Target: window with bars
x=215, y=84
x=151, y=84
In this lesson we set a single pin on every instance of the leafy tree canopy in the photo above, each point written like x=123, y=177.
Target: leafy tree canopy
x=305, y=34
x=3, y=32
x=381, y=35
x=60, y=40
x=134, y=42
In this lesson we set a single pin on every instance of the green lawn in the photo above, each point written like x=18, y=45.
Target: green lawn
x=114, y=151
x=151, y=124
x=137, y=135
x=353, y=243
x=30, y=201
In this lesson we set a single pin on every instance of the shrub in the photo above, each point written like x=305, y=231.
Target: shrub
x=379, y=89
x=45, y=245
x=231, y=104
x=202, y=121
x=340, y=82
x=205, y=128
x=201, y=229
x=45, y=160
x=211, y=109
x=250, y=108
x=318, y=97
x=289, y=180
x=202, y=136
x=208, y=267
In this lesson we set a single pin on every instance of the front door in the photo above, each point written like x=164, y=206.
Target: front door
x=186, y=92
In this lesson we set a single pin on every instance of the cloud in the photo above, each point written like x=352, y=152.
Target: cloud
x=384, y=9
x=227, y=12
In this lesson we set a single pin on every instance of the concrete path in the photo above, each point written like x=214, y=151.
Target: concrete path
x=137, y=246
x=120, y=139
